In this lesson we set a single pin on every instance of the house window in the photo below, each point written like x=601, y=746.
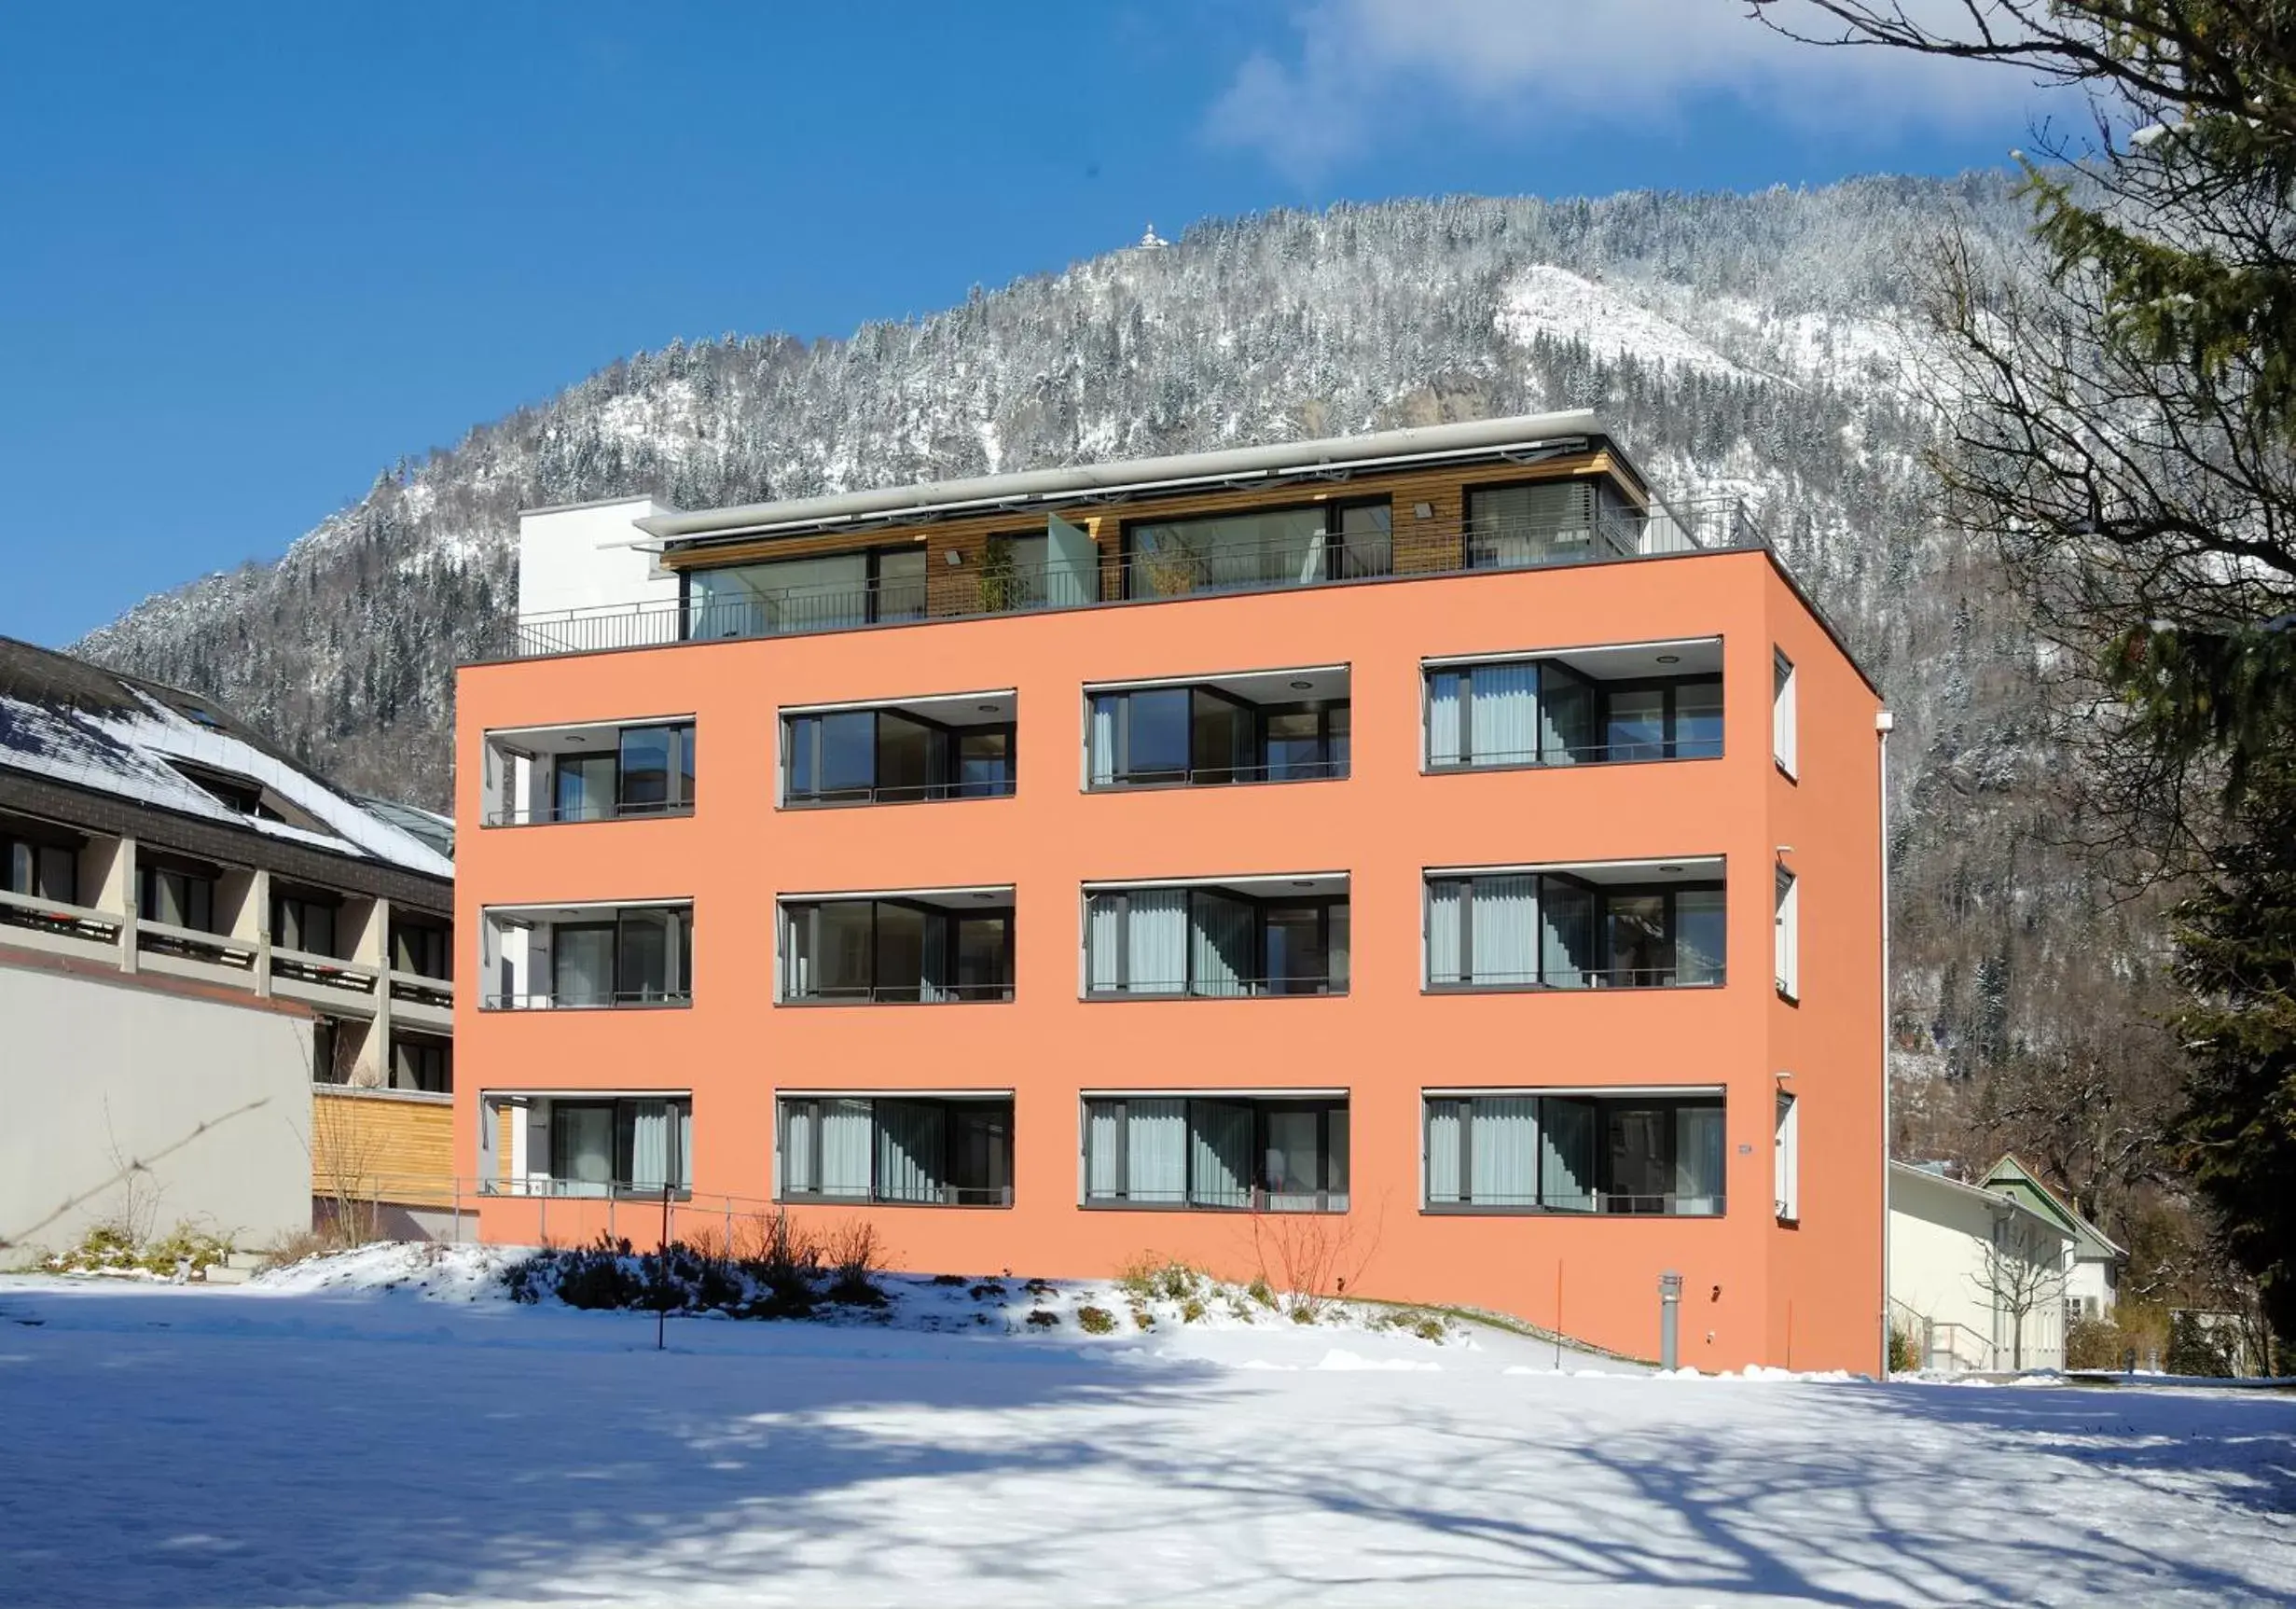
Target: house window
x=1215, y=942
x=1784, y=717
x=892, y=757
x=1787, y=1159
x=1789, y=934
x=831, y=592
x=177, y=896
x=38, y=870
x=421, y=948
x=419, y=1063
x=903, y=1149
x=641, y=957
x=1241, y=1152
x=1575, y=1154
x=627, y=1146
x=1554, y=930
x=650, y=772
x=1549, y=522
x=896, y=950
x=1538, y=712
x=1203, y=736
x=304, y=923
x=1263, y=549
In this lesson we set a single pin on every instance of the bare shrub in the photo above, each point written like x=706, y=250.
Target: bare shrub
x=1311, y=1256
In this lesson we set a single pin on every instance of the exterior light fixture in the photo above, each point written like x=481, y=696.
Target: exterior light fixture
x=1669, y=869
x=576, y=738
x=1303, y=882
x=953, y=557
x=1301, y=686
x=1422, y=511
x=1669, y=658
x=984, y=894
x=990, y=709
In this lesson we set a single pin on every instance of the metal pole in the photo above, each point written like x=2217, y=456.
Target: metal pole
x=1558, y=1315
x=661, y=1269
x=1669, y=1307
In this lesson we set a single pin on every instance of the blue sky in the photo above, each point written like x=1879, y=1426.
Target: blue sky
x=253, y=253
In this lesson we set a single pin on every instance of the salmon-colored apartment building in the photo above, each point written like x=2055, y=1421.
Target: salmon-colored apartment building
x=1425, y=856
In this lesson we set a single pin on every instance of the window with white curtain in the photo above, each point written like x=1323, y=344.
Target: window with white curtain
x=627, y=1146
x=1235, y=1153
x=1213, y=943
x=1579, y=1153
x=1554, y=930
x=1786, y=1158
x=1789, y=934
x=1784, y=716
x=1542, y=711
x=902, y=1149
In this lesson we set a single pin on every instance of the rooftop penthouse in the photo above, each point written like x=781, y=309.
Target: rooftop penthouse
x=1401, y=505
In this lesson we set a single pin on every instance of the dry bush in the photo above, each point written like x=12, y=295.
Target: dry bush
x=1309, y=1258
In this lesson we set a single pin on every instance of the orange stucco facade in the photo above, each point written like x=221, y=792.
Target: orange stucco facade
x=1755, y=1290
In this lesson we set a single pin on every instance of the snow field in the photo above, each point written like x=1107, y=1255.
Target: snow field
x=387, y=1428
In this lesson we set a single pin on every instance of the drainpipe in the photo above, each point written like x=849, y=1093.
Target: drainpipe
x=1883, y=722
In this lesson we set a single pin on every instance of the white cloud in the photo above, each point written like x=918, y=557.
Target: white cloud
x=1362, y=65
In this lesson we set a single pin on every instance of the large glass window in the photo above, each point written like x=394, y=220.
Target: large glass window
x=1535, y=712
x=1266, y=547
x=39, y=870
x=1549, y=522
x=1242, y=1153
x=421, y=948
x=637, y=1146
x=303, y=922
x=1215, y=943
x=893, y=950
x=826, y=594
x=642, y=957
x=916, y=1151
x=649, y=771
x=1200, y=736
x=892, y=757
x=1575, y=1154
x=177, y=896
x=420, y=1062
x=1557, y=931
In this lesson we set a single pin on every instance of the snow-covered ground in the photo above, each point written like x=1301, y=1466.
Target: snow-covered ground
x=386, y=1430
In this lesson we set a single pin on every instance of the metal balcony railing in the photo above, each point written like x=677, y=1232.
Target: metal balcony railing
x=1217, y=988
x=1254, y=1199
x=1414, y=549
x=900, y=993
x=55, y=917
x=907, y=793
x=1585, y=753
x=1596, y=1203
x=589, y=810
x=588, y=1000
x=1332, y=769
x=1682, y=974
x=879, y=1196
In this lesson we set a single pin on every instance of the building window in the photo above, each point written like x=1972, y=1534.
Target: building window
x=1786, y=1159
x=176, y=896
x=1207, y=736
x=831, y=592
x=1621, y=1154
x=894, y=756
x=1263, y=549
x=936, y=951
x=649, y=771
x=1556, y=930
x=631, y=957
x=423, y=948
x=626, y=1146
x=1784, y=717
x=1550, y=522
x=1241, y=1152
x=1218, y=942
x=304, y=921
x=39, y=870
x=1533, y=711
x=1789, y=934
x=419, y=1063
x=902, y=1149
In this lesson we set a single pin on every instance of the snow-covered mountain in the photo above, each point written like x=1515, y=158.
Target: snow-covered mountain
x=1757, y=344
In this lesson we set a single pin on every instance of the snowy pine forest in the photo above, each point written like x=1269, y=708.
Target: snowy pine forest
x=1764, y=346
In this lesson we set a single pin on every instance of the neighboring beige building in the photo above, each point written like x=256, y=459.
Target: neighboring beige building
x=227, y=986
x=1977, y=1276
x=2093, y=1279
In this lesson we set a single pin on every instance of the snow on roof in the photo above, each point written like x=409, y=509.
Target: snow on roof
x=74, y=723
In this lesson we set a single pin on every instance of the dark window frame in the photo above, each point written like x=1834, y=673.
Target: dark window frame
x=1605, y=496
x=1258, y=1193
x=1256, y=984
x=1601, y=893
x=37, y=849
x=621, y=997
x=307, y=900
x=949, y=1104
x=1602, y=691
x=207, y=880
x=1334, y=511
x=947, y=787
x=872, y=587
x=439, y=934
x=951, y=948
x=683, y=781
x=1125, y=778
x=621, y=1186
x=1602, y=1108
x=429, y=1052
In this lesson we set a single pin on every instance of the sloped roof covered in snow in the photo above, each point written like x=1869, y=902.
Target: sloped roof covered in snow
x=64, y=720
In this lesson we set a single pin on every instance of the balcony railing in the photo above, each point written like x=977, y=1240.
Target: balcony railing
x=1219, y=988
x=324, y=971
x=944, y=1196
x=588, y=1000
x=1696, y=974
x=1586, y=754
x=910, y=793
x=1257, y=1199
x=192, y=944
x=1598, y=1203
x=58, y=919
x=1416, y=548
x=1219, y=776
x=620, y=809
x=900, y=994
x=419, y=988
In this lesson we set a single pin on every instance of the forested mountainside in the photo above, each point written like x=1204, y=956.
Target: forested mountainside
x=1755, y=343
